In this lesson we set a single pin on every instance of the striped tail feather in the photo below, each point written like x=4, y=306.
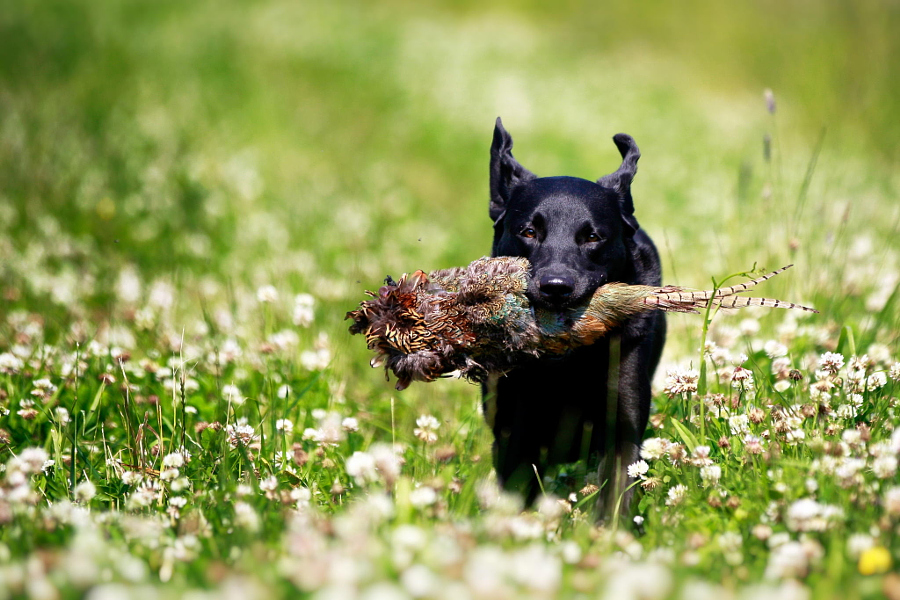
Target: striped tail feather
x=676, y=299
x=743, y=301
x=741, y=287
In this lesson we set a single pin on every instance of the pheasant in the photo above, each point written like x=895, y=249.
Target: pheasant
x=478, y=320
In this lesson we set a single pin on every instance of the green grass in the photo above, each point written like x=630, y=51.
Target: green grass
x=161, y=162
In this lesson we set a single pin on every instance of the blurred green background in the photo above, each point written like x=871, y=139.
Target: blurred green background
x=320, y=145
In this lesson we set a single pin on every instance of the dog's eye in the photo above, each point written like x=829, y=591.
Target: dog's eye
x=594, y=237
x=528, y=232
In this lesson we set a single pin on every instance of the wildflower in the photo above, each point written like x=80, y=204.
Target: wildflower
x=787, y=560
x=859, y=543
x=875, y=560
x=350, y=424
x=846, y=411
x=775, y=350
x=876, y=381
x=84, y=491
x=427, y=427
x=361, y=466
x=884, y=466
x=388, y=461
x=860, y=363
x=315, y=360
x=174, y=459
x=638, y=469
x=284, y=391
x=809, y=515
x=232, y=394
x=303, y=310
x=31, y=460
x=245, y=516
x=285, y=426
x=742, y=379
x=10, y=363
x=423, y=496
x=681, y=381
x=700, y=456
x=654, y=448
x=891, y=501
x=894, y=373
x=711, y=474
x=267, y=294
x=739, y=424
x=240, y=435
x=782, y=385
x=831, y=362
x=676, y=495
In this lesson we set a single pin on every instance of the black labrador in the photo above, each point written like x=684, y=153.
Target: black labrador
x=593, y=403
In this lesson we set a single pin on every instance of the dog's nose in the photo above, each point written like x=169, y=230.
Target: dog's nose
x=556, y=287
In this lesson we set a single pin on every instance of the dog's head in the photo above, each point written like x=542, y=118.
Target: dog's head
x=576, y=233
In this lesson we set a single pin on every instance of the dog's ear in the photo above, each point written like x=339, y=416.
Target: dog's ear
x=506, y=172
x=620, y=181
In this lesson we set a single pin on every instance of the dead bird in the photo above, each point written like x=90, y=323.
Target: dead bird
x=478, y=320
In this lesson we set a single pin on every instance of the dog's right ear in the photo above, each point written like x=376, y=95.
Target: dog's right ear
x=620, y=181
x=506, y=172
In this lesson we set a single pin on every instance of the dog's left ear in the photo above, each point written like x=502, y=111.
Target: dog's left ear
x=506, y=172
x=620, y=181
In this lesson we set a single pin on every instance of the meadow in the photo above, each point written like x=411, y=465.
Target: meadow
x=192, y=195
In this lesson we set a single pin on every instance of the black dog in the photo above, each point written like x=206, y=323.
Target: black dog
x=593, y=403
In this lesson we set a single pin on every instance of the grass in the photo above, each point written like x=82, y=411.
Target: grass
x=162, y=164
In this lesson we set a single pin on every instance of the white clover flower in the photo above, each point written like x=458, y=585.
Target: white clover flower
x=775, y=349
x=269, y=484
x=876, y=381
x=654, y=448
x=782, y=385
x=831, y=362
x=84, y=492
x=739, y=424
x=350, y=424
x=742, y=379
x=175, y=459
x=240, y=435
x=361, y=466
x=388, y=461
x=245, y=516
x=284, y=391
x=285, y=426
x=169, y=474
x=846, y=411
x=786, y=561
x=884, y=467
x=315, y=360
x=710, y=474
x=891, y=501
x=284, y=340
x=858, y=543
x=676, y=494
x=426, y=429
x=638, y=469
x=10, y=363
x=681, y=381
x=311, y=434
x=423, y=496
x=267, y=294
x=232, y=394
x=894, y=373
x=31, y=460
x=808, y=515
x=303, y=310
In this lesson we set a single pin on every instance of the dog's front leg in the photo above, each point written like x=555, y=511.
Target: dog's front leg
x=628, y=408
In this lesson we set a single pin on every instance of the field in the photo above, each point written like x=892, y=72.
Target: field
x=192, y=195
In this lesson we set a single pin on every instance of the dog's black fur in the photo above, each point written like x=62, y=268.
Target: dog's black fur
x=578, y=235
